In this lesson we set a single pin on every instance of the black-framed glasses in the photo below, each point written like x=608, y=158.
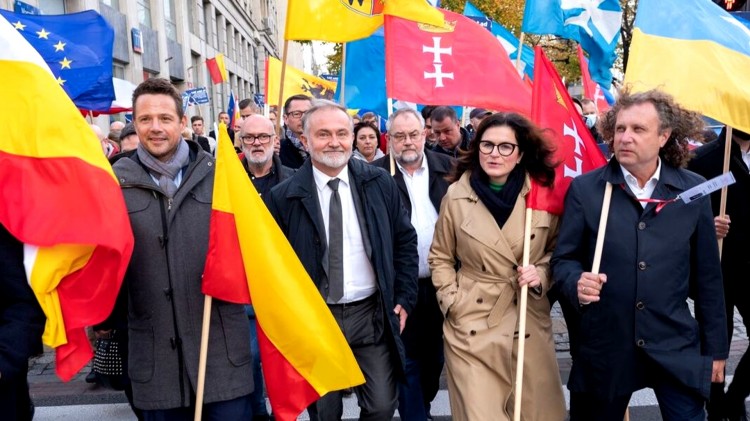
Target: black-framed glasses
x=263, y=138
x=401, y=137
x=504, y=149
x=295, y=114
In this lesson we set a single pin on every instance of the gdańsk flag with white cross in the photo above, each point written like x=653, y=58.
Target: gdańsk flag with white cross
x=460, y=64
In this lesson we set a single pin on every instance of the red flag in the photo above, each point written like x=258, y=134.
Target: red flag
x=591, y=89
x=577, y=151
x=217, y=69
x=461, y=65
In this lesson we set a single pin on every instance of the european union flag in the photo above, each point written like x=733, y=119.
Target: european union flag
x=507, y=39
x=365, y=74
x=78, y=49
x=594, y=24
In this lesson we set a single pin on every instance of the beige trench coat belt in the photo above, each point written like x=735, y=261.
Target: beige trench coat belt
x=506, y=294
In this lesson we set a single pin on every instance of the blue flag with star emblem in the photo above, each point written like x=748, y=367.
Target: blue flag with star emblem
x=595, y=24
x=78, y=49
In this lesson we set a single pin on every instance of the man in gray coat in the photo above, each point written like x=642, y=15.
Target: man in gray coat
x=167, y=184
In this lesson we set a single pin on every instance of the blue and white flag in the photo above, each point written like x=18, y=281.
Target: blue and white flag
x=595, y=24
x=507, y=39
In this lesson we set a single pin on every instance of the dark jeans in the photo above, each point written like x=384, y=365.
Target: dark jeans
x=233, y=409
x=378, y=397
x=423, y=340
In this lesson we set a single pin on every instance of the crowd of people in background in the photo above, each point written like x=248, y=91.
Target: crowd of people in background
x=416, y=246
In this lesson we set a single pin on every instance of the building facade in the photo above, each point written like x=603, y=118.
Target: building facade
x=174, y=38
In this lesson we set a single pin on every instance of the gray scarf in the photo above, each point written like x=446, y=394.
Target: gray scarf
x=166, y=171
x=296, y=142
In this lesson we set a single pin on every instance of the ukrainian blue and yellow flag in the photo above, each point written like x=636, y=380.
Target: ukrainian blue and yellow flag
x=697, y=52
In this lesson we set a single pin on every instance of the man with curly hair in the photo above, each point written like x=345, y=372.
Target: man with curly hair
x=635, y=327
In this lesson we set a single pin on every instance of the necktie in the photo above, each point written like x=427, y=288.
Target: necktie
x=335, y=245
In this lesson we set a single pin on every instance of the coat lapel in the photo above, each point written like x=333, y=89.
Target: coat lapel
x=304, y=189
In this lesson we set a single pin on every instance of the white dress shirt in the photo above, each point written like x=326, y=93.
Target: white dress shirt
x=423, y=213
x=647, y=190
x=359, y=276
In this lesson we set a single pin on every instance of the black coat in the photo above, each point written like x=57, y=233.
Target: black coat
x=289, y=154
x=439, y=166
x=735, y=260
x=278, y=174
x=424, y=327
x=653, y=262
x=203, y=141
x=393, y=241
x=21, y=327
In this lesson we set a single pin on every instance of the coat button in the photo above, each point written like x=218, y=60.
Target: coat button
x=532, y=236
x=642, y=265
x=473, y=332
x=641, y=226
x=640, y=305
x=480, y=300
x=640, y=342
x=210, y=163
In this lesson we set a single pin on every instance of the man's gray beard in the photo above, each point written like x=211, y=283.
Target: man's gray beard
x=412, y=158
x=252, y=160
x=331, y=162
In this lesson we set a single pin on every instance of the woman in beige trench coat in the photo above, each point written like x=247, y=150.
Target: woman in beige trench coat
x=476, y=259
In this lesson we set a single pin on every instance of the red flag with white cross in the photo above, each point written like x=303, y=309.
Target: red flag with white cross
x=552, y=109
x=460, y=64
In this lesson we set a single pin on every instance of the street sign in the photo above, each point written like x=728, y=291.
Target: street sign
x=259, y=99
x=195, y=96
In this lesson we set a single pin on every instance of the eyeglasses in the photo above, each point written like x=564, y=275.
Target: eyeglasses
x=263, y=138
x=504, y=149
x=295, y=114
x=401, y=137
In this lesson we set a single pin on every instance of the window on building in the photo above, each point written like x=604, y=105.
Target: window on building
x=144, y=13
x=191, y=5
x=118, y=71
x=52, y=7
x=115, y=4
x=170, y=19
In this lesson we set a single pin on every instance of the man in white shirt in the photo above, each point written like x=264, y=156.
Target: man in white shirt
x=420, y=175
x=347, y=224
x=658, y=251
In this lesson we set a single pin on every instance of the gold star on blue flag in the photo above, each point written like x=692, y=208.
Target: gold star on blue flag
x=78, y=49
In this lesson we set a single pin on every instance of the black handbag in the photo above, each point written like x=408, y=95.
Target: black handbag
x=108, y=360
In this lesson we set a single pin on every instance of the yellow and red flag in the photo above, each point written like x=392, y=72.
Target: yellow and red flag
x=304, y=353
x=59, y=196
x=345, y=20
x=217, y=69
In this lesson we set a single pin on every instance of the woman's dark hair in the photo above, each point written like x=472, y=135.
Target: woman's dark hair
x=538, y=151
x=364, y=124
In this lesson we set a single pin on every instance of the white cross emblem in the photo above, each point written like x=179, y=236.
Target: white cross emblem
x=437, y=61
x=572, y=131
x=607, y=22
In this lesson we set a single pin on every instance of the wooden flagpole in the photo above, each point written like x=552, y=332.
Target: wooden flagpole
x=522, y=320
x=342, y=90
x=281, y=84
x=723, y=200
x=203, y=356
x=392, y=160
